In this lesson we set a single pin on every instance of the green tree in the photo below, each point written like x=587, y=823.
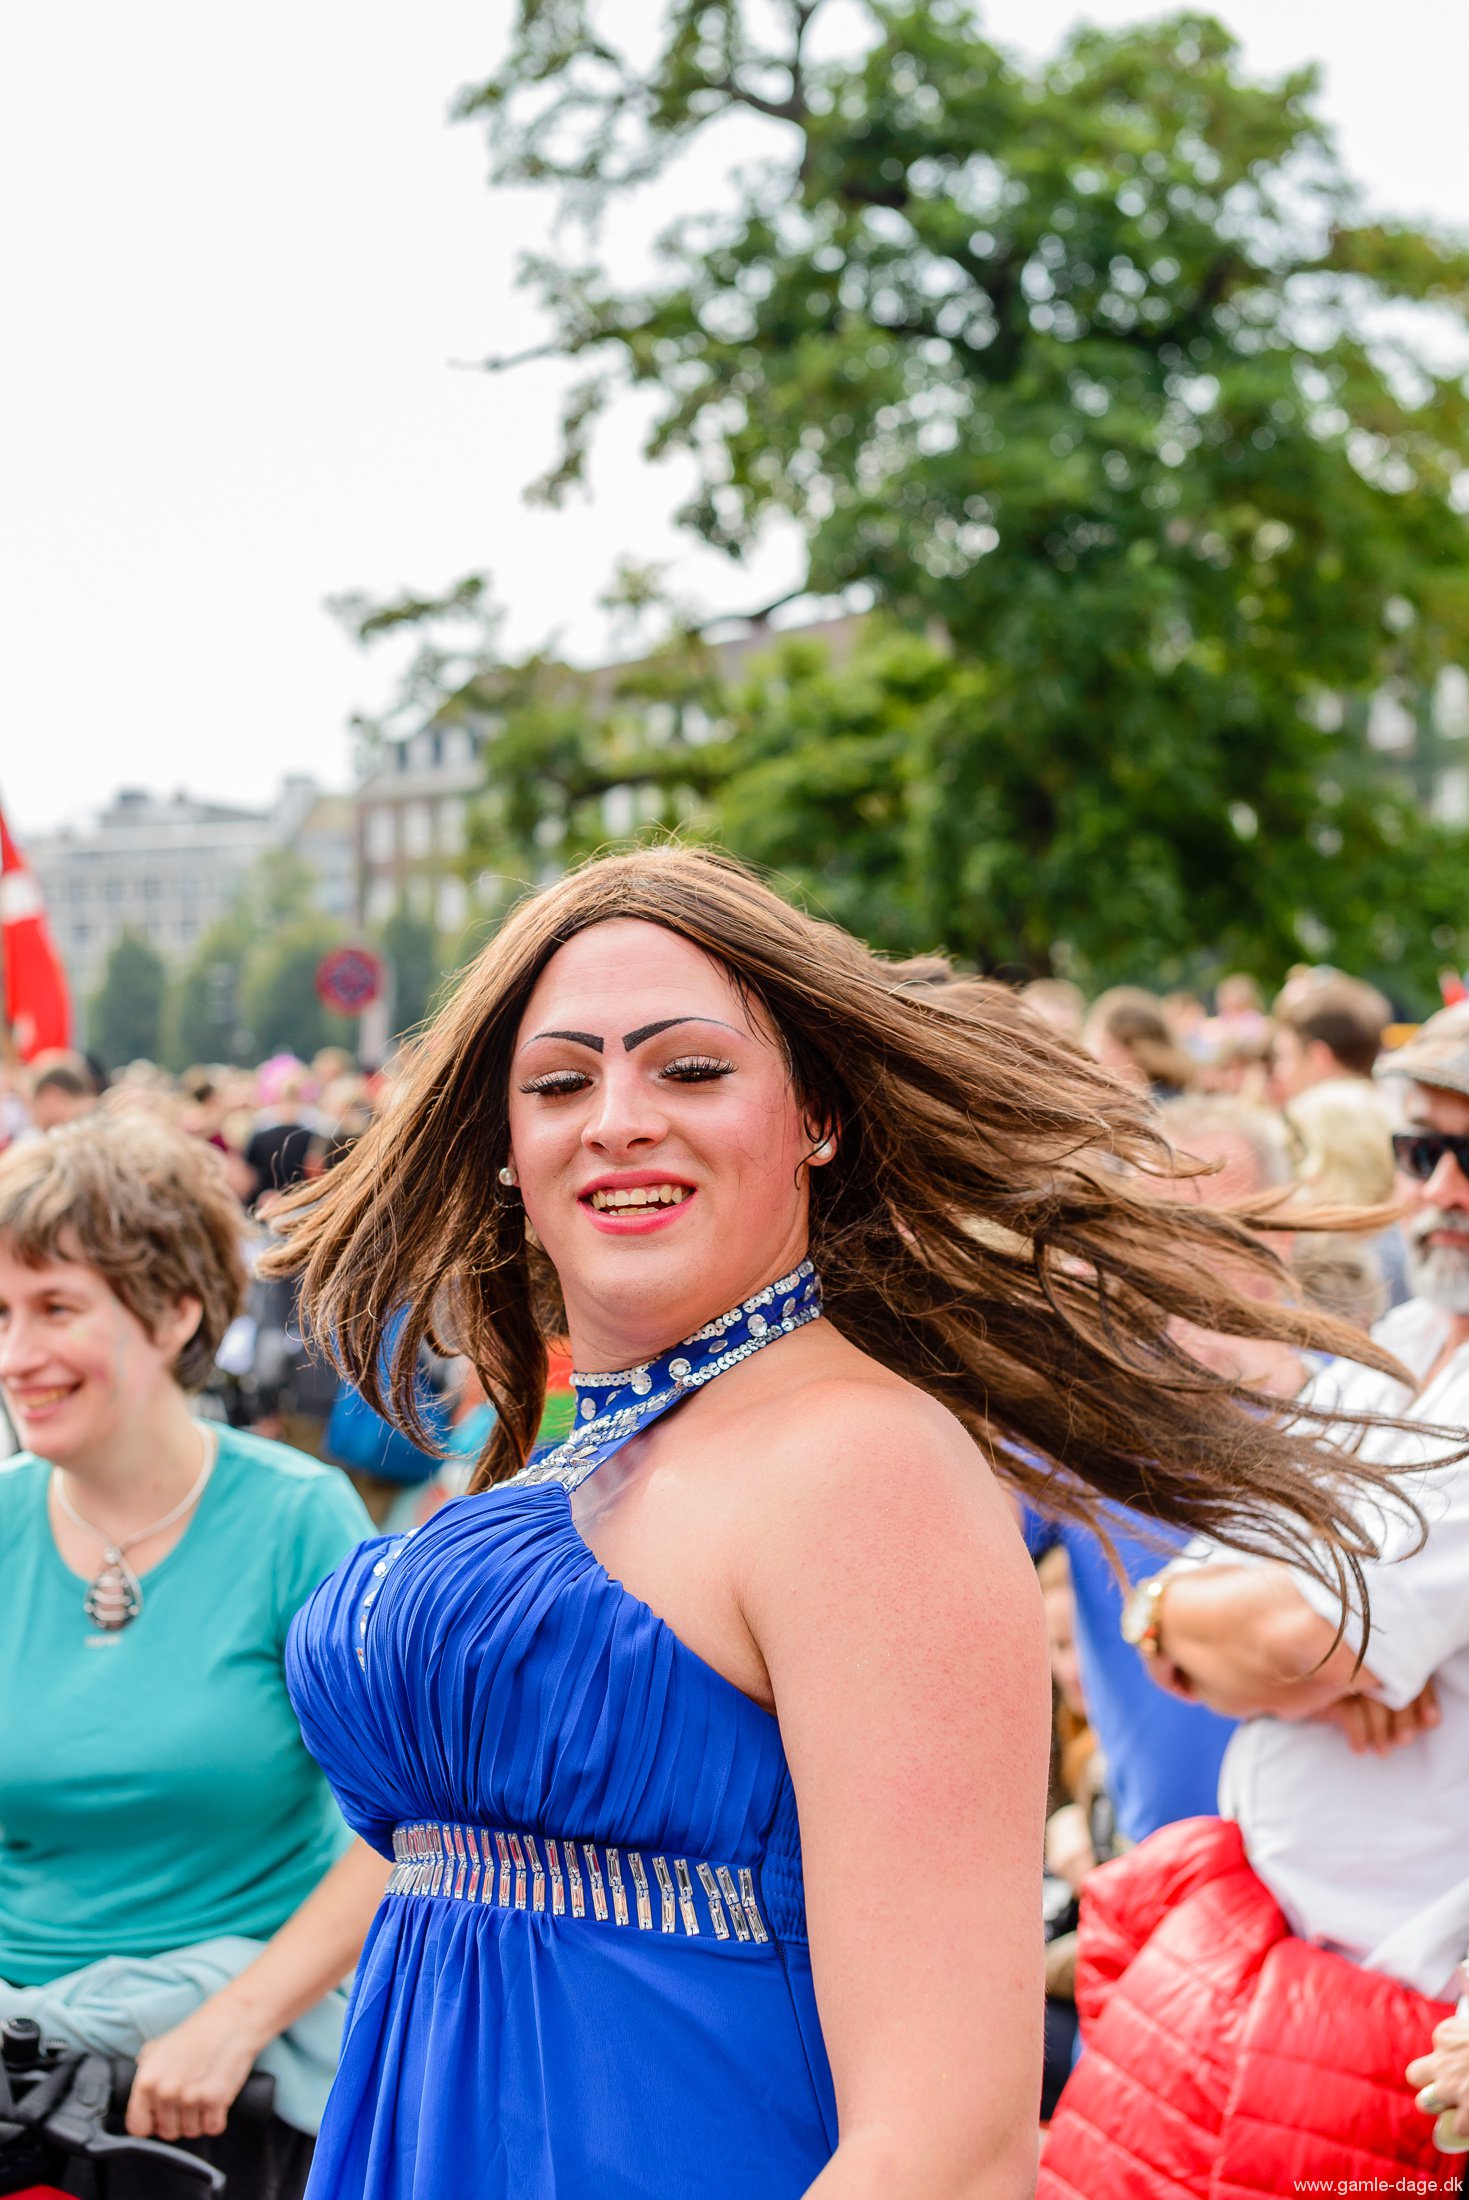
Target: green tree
x=1096, y=366
x=834, y=770
x=126, y=1019
x=281, y=1009
x=206, y=1018
x=410, y=948
x=202, y=1018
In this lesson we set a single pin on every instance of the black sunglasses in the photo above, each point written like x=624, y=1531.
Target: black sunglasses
x=1418, y=1153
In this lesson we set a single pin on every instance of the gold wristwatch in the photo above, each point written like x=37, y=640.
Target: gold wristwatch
x=1142, y=1614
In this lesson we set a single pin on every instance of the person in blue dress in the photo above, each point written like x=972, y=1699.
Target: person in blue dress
x=710, y=1745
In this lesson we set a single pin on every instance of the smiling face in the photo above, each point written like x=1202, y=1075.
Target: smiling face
x=657, y=1137
x=76, y=1367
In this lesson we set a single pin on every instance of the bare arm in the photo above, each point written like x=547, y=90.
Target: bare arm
x=1243, y=1640
x=187, y=2078
x=901, y=1627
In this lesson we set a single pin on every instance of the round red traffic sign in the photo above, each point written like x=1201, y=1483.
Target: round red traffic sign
x=349, y=980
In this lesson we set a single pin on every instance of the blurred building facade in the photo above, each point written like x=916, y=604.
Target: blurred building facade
x=166, y=868
x=412, y=822
x=415, y=801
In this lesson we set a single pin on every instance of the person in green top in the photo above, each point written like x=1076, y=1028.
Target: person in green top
x=175, y=1880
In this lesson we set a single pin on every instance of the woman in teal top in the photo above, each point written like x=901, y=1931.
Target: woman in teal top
x=175, y=1880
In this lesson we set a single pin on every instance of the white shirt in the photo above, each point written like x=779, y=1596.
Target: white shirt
x=1355, y=1849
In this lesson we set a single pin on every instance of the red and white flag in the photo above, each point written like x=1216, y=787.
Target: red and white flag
x=37, y=1005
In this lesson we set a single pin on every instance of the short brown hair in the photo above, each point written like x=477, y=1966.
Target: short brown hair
x=146, y=1207
x=1347, y=1016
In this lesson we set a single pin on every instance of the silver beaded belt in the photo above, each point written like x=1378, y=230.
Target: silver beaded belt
x=586, y=1879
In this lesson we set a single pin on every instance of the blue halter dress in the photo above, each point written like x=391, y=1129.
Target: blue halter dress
x=589, y=1978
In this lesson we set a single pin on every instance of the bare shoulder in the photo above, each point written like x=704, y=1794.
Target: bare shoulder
x=849, y=1457
x=871, y=1527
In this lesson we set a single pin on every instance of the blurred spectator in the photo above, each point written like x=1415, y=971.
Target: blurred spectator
x=1239, y=1065
x=330, y=1063
x=1322, y=1925
x=1163, y=1755
x=1245, y=1147
x=1058, y=1003
x=279, y=1147
x=1241, y=1009
x=1342, y=1129
x=1187, y=1020
x=1079, y=1830
x=59, y=1095
x=176, y=1885
x=205, y=1109
x=1128, y=1034
x=1342, y=1133
x=1324, y=1025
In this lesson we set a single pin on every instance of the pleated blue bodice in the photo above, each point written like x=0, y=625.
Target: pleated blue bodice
x=489, y=1674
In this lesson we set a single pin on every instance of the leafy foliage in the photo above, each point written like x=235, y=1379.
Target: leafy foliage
x=278, y=997
x=1094, y=368
x=249, y=988
x=126, y=1018
x=411, y=949
x=857, y=777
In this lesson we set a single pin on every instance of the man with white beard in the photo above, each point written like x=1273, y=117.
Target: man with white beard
x=1229, y=2045
x=1350, y=1784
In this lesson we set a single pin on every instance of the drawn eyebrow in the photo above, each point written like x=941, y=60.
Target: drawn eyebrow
x=578, y=1038
x=631, y=1039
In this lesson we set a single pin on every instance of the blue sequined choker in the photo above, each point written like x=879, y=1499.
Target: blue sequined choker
x=612, y=1408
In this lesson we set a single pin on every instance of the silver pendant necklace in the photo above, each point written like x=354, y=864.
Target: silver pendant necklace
x=114, y=1595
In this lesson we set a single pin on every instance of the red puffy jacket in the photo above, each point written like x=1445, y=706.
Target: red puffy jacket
x=1226, y=2058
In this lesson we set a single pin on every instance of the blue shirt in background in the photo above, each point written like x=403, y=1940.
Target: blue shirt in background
x=1162, y=1755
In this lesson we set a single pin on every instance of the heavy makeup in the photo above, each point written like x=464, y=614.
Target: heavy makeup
x=658, y=1140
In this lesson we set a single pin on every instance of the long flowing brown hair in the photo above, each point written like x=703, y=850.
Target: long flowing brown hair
x=999, y=1226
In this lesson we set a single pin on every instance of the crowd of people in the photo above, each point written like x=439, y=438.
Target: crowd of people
x=272, y=1128
x=1255, y=1901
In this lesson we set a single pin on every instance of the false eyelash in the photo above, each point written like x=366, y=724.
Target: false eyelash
x=557, y=1082
x=692, y=1069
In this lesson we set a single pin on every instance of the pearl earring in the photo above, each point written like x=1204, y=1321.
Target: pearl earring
x=825, y=1150
x=508, y=1176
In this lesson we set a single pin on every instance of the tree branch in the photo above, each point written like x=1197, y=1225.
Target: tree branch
x=502, y=364
x=780, y=110
x=761, y=617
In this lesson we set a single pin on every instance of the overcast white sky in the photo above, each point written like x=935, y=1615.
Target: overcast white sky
x=238, y=250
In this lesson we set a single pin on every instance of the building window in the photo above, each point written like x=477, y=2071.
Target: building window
x=418, y=829
x=382, y=899
x=380, y=838
x=152, y=889
x=112, y=888
x=453, y=904
x=451, y=825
